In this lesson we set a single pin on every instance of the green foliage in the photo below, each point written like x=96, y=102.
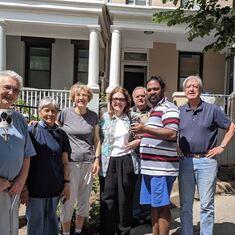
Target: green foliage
x=93, y=221
x=103, y=97
x=203, y=18
x=24, y=109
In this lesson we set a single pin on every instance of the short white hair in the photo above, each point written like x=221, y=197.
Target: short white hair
x=193, y=77
x=138, y=88
x=48, y=101
x=13, y=75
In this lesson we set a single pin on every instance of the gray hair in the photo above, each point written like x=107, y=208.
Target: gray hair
x=193, y=77
x=48, y=101
x=138, y=88
x=13, y=75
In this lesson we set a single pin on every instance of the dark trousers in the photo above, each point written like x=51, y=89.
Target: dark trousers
x=140, y=212
x=116, y=192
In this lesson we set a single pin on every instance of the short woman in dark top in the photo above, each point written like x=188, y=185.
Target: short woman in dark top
x=81, y=126
x=119, y=164
x=48, y=173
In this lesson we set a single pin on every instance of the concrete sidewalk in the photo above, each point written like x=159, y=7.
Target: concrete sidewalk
x=224, y=217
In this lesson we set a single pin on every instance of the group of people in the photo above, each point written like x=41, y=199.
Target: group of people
x=137, y=151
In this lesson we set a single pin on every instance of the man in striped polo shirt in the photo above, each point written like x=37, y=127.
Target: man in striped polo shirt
x=159, y=160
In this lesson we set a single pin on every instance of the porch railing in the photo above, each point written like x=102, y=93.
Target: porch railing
x=31, y=97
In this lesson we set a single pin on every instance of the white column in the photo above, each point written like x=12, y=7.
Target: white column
x=93, y=69
x=2, y=45
x=115, y=61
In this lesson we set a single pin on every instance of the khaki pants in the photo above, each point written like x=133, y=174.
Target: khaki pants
x=9, y=220
x=80, y=189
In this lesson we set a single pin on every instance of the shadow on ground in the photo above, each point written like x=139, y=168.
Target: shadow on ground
x=225, y=228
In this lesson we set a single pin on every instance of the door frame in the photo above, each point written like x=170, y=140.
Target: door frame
x=134, y=62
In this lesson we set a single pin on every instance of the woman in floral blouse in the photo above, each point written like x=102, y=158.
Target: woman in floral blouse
x=119, y=164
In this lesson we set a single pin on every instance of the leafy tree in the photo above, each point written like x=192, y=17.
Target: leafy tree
x=203, y=18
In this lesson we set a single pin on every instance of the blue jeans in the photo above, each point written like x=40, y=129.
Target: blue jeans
x=202, y=173
x=41, y=216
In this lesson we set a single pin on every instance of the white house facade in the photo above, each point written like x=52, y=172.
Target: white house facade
x=55, y=43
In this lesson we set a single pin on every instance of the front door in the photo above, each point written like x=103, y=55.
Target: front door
x=134, y=75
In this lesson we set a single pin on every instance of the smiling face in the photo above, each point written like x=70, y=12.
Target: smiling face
x=192, y=90
x=154, y=92
x=9, y=91
x=140, y=98
x=81, y=98
x=48, y=114
x=118, y=103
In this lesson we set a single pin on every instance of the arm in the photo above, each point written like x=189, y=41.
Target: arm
x=160, y=133
x=227, y=138
x=65, y=161
x=19, y=182
x=96, y=165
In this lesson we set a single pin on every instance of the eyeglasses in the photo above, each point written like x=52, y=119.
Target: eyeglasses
x=8, y=88
x=118, y=99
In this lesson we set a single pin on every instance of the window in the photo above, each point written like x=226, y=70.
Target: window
x=81, y=61
x=231, y=74
x=139, y=2
x=189, y=63
x=188, y=4
x=37, y=62
x=134, y=56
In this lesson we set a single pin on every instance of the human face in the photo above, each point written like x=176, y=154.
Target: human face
x=81, y=98
x=140, y=98
x=154, y=92
x=9, y=91
x=192, y=90
x=118, y=103
x=49, y=114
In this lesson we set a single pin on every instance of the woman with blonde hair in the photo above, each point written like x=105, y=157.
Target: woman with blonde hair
x=118, y=164
x=81, y=126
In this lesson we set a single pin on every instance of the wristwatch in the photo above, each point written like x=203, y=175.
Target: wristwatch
x=223, y=146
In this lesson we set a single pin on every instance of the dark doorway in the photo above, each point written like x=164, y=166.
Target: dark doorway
x=134, y=76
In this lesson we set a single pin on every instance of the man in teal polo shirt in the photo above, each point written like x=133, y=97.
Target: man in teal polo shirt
x=199, y=123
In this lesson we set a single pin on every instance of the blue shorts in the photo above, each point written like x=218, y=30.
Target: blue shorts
x=156, y=190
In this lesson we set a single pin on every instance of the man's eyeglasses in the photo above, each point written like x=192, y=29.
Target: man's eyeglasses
x=118, y=99
x=8, y=88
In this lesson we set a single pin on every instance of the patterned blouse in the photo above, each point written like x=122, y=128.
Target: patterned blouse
x=107, y=130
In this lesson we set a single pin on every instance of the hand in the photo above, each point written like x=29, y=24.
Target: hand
x=32, y=123
x=132, y=145
x=214, y=152
x=17, y=186
x=66, y=192
x=96, y=167
x=179, y=152
x=4, y=184
x=24, y=197
x=138, y=128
